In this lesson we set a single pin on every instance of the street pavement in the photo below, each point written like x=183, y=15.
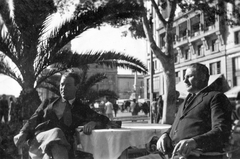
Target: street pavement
x=125, y=113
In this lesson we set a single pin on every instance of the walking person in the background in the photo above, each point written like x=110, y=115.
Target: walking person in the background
x=145, y=108
x=115, y=108
x=134, y=107
x=12, y=109
x=4, y=108
x=109, y=109
x=159, y=108
x=127, y=106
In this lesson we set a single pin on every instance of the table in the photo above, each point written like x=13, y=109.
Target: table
x=111, y=143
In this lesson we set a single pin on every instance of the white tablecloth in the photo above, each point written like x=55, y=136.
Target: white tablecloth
x=110, y=143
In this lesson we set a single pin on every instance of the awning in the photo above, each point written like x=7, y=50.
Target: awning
x=233, y=92
x=216, y=82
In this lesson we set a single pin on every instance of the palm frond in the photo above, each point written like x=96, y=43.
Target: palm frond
x=95, y=78
x=51, y=84
x=59, y=61
x=8, y=70
x=10, y=30
x=29, y=13
x=9, y=49
x=108, y=58
x=87, y=18
x=44, y=75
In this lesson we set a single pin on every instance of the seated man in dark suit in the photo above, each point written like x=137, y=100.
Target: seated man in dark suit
x=203, y=121
x=51, y=128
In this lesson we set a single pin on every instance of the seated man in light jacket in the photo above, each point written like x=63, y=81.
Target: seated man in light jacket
x=51, y=128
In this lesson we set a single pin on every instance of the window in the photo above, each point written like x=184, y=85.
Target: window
x=237, y=37
x=174, y=35
x=177, y=77
x=215, y=68
x=162, y=40
x=195, y=29
x=183, y=34
x=155, y=64
x=237, y=64
x=187, y=54
x=184, y=72
x=149, y=66
x=215, y=45
x=200, y=50
x=176, y=57
x=236, y=75
x=148, y=88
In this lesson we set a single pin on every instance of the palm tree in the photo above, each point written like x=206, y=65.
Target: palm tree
x=85, y=92
x=27, y=52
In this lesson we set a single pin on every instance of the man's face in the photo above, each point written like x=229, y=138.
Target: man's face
x=4, y=97
x=192, y=81
x=68, y=88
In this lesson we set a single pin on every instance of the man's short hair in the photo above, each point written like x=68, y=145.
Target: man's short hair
x=201, y=69
x=74, y=75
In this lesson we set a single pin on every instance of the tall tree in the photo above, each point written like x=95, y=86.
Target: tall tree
x=209, y=7
x=27, y=53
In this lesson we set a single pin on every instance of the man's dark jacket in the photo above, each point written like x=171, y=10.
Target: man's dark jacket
x=45, y=119
x=207, y=119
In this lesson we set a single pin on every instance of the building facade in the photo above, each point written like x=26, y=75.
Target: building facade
x=198, y=39
x=130, y=86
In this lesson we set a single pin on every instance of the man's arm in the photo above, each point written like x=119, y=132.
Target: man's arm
x=93, y=120
x=34, y=120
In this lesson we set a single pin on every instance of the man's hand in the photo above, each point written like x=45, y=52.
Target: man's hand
x=20, y=139
x=184, y=147
x=87, y=129
x=164, y=143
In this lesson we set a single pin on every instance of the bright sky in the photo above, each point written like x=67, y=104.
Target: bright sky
x=109, y=38
x=9, y=86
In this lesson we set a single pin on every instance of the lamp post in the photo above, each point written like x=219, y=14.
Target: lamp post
x=151, y=86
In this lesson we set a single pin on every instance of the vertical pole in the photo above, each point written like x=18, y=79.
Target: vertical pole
x=151, y=86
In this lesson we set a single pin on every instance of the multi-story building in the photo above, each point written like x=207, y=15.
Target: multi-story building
x=198, y=39
x=110, y=82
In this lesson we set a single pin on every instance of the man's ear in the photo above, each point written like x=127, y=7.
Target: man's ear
x=77, y=86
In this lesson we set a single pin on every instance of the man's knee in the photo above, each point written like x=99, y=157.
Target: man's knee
x=56, y=132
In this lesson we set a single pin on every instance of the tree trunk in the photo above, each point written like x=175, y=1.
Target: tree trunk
x=169, y=107
x=29, y=101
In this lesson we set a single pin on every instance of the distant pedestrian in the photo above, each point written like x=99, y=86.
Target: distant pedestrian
x=135, y=107
x=145, y=108
x=159, y=108
x=127, y=105
x=109, y=109
x=12, y=110
x=115, y=108
x=4, y=108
